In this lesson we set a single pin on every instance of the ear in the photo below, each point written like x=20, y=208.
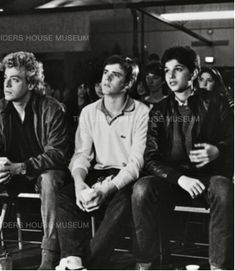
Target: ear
x=129, y=85
x=31, y=86
x=194, y=74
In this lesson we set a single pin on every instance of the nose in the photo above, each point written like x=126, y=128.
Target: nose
x=203, y=83
x=171, y=74
x=7, y=82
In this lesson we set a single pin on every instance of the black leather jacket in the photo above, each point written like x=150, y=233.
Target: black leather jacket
x=51, y=132
x=213, y=125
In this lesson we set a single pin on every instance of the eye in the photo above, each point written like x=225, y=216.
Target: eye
x=179, y=69
x=117, y=75
x=14, y=79
x=166, y=70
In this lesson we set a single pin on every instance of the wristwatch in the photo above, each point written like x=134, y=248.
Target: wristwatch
x=22, y=169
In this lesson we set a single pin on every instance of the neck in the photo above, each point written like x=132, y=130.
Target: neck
x=156, y=95
x=114, y=104
x=183, y=96
x=20, y=105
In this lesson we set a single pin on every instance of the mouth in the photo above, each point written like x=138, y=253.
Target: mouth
x=7, y=92
x=173, y=83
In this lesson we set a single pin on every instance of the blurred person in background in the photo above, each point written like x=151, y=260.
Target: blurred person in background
x=83, y=98
x=211, y=80
x=154, y=83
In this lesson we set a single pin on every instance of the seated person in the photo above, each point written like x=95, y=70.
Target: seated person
x=112, y=132
x=211, y=80
x=34, y=142
x=188, y=159
x=154, y=83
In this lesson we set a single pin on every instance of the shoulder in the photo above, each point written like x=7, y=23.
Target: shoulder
x=91, y=108
x=139, y=106
x=48, y=102
x=161, y=106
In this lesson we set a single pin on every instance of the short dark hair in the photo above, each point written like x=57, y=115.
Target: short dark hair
x=154, y=68
x=130, y=68
x=184, y=55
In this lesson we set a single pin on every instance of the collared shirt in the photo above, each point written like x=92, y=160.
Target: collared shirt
x=128, y=106
x=117, y=142
x=22, y=142
x=185, y=103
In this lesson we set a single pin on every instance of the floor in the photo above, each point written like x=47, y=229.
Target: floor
x=188, y=244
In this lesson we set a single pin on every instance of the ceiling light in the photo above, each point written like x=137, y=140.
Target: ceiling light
x=1, y=10
x=204, y=15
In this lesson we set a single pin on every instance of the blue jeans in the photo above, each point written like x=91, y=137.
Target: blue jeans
x=153, y=201
x=73, y=224
x=48, y=185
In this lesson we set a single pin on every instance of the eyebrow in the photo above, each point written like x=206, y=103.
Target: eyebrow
x=178, y=65
x=14, y=76
x=116, y=73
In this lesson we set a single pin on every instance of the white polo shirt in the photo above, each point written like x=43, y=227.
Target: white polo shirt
x=117, y=142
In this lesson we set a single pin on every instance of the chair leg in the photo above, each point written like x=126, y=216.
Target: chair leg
x=92, y=226
x=2, y=217
x=19, y=227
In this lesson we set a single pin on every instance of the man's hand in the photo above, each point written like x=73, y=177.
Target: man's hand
x=193, y=186
x=8, y=169
x=79, y=198
x=103, y=189
x=204, y=155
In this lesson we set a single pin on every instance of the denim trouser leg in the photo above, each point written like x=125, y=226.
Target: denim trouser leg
x=73, y=230
x=149, y=204
x=220, y=194
x=153, y=196
x=48, y=184
x=74, y=238
x=117, y=211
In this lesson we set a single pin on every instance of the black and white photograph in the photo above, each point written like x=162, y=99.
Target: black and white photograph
x=117, y=135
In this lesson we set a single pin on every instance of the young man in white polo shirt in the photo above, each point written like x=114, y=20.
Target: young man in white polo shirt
x=110, y=142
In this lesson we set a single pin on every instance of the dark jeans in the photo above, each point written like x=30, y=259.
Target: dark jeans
x=73, y=224
x=48, y=185
x=153, y=201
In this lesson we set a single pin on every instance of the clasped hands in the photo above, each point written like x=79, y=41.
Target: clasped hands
x=8, y=170
x=90, y=199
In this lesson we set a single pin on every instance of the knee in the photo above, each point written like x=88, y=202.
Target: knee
x=221, y=189
x=142, y=189
x=50, y=182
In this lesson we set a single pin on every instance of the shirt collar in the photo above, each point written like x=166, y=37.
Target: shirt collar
x=180, y=103
x=128, y=106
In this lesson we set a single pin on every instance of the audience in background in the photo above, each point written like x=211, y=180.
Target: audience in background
x=83, y=98
x=154, y=83
x=211, y=80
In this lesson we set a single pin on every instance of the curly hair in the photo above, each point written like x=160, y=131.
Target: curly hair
x=33, y=68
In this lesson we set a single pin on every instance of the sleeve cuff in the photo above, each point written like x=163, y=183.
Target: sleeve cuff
x=174, y=176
